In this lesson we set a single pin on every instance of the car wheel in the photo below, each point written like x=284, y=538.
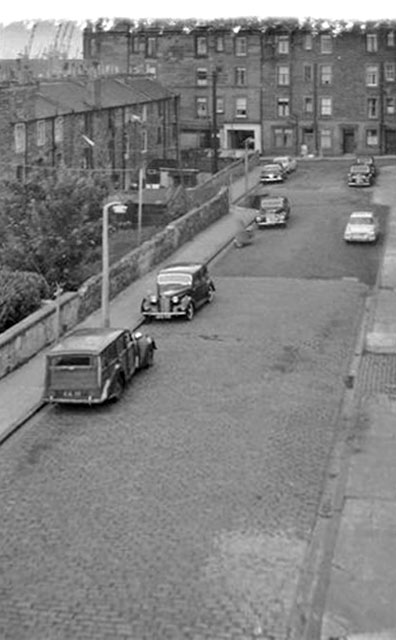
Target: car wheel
x=118, y=388
x=149, y=357
x=190, y=311
x=211, y=294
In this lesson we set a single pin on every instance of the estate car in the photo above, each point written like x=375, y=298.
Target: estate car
x=92, y=365
x=181, y=288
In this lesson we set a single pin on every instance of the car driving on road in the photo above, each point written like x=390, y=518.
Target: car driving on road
x=181, y=288
x=362, y=226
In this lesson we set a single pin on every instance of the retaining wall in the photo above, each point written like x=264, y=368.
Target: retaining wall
x=28, y=337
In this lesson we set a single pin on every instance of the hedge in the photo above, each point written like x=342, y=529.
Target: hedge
x=21, y=293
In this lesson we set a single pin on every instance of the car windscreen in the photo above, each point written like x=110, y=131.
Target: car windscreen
x=272, y=205
x=361, y=220
x=360, y=168
x=71, y=360
x=174, y=279
x=272, y=167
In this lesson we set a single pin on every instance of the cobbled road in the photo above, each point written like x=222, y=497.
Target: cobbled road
x=183, y=511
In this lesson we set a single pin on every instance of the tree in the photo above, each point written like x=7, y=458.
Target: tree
x=51, y=223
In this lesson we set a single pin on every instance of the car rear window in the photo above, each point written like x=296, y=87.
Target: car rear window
x=71, y=360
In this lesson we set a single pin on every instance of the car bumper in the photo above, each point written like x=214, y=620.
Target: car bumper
x=357, y=238
x=265, y=180
x=164, y=315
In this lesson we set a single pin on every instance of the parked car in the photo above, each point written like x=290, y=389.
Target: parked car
x=362, y=226
x=369, y=161
x=93, y=365
x=273, y=211
x=272, y=173
x=288, y=163
x=360, y=175
x=181, y=288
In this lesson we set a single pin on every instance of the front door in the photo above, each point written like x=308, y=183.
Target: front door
x=390, y=141
x=348, y=141
x=308, y=141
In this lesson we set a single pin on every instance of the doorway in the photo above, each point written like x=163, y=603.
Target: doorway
x=348, y=140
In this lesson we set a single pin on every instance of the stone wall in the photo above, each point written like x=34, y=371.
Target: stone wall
x=28, y=337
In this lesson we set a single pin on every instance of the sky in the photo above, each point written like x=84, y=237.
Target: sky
x=81, y=10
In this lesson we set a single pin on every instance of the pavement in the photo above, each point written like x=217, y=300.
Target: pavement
x=348, y=587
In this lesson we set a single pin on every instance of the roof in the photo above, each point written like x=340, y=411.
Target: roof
x=183, y=267
x=63, y=96
x=361, y=214
x=91, y=340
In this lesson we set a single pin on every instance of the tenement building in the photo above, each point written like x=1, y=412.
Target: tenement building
x=282, y=86
x=114, y=124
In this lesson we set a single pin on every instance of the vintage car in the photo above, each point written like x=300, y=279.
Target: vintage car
x=288, y=163
x=369, y=161
x=272, y=173
x=360, y=175
x=273, y=211
x=181, y=288
x=362, y=226
x=93, y=365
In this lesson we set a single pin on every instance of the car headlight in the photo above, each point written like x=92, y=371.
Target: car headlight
x=175, y=299
x=153, y=299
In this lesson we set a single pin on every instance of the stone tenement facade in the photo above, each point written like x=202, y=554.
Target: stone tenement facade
x=110, y=124
x=326, y=88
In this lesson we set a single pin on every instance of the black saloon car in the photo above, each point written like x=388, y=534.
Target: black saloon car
x=272, y=211
x=181, y=288
x=360, y=175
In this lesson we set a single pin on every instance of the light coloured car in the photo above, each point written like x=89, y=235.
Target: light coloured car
x=288, y=163
x=362, y=226
x=272, y=173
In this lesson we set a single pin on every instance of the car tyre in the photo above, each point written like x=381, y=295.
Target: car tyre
x=118, y=388
x=149, y=357
x=211, y=294
x=190, y=312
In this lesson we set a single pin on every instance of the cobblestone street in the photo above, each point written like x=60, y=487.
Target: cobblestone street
x=184, y=511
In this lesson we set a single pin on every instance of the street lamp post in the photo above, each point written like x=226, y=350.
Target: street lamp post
x=118, y=207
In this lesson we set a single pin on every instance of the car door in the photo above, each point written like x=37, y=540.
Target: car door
x=129, y=354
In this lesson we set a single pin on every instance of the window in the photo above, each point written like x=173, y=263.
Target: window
x=283, y=44
x=371, y=42
x=135, y=44
x=241, y=46
x=325, y=74
x=58, y=129
x=219, y=105
x=390, y=39
x=219, y=44
x=240, y=76
x=325, y=139
x=20, y=137
x=40, y=133
x=241, y=108
x=371, y=137
x=390, y=105
x=201, y=46
x=308, y=104
x=283, y=75
x=372, y=107
x=326, y=44
x=389, y=71
x=202, y=107
x=308, y=73
x=283, y=138
x=283, y=107
x=151, y=47
x=144, y=140
x=325, y=106
x=159, y=135
x=202, y=77
x=308, y=41
x=372, y=75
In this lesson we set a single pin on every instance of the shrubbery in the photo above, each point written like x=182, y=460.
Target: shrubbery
x=21, y=293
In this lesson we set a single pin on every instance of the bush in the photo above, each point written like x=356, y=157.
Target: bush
x=21, y=293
